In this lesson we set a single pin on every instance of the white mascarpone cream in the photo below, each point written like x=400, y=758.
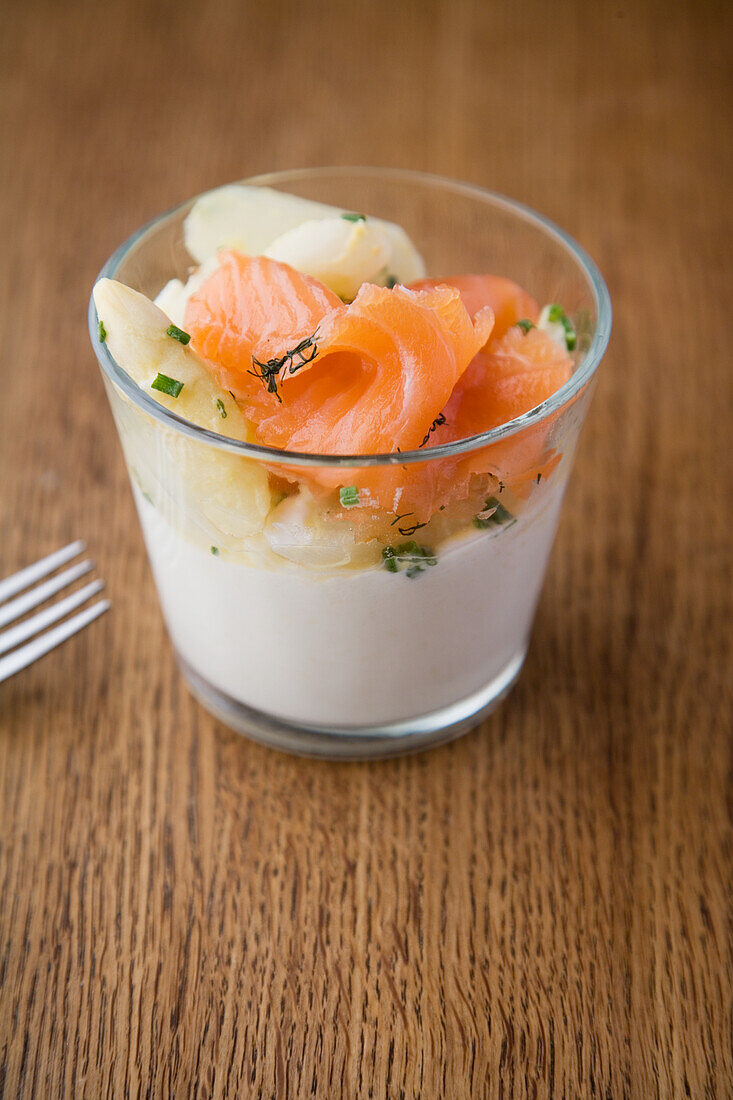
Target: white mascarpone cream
x=350, y=648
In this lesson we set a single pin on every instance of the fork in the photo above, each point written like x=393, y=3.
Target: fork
x=11, y=609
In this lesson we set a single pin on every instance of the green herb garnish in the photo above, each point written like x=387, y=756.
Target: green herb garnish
x=525, y=324
x=215, y=551
x=102, y=332
x=171, y=386
x=539, y=477
x=410, y=529
x=408, y=556
x=349, y=496
x=494, y=514
x=350, y=217
x=297, y=357
x=557, y=315
x=398, y=517
x=391, y=282
x=439, y=420
x=177, y=334
x=389, y=559
x=221, y=408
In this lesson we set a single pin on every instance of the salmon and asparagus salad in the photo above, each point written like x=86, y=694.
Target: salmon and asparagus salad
x=314, y=330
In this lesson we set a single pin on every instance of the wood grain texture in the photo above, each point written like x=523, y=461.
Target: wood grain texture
x=542, y=909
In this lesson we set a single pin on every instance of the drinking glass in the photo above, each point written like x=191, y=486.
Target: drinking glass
x=304, y=637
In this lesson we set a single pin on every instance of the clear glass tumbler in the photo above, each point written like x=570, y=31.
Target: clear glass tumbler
x=294, y=628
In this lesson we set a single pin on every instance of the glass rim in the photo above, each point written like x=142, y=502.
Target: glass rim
x=566, y=393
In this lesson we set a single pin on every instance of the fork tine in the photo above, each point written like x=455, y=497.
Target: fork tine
x=17, y=607
x=27, y=654
x=32, y=573
x=14, y=635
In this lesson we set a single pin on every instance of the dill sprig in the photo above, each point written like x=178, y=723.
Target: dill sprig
x=440, y=419
x=398, y=517
x=411, y=528
x=407, y=531
x=289, y=363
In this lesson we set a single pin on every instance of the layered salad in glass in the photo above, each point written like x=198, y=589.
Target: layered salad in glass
x=364, y=592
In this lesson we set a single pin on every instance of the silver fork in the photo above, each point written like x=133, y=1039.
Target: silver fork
x=12, y=609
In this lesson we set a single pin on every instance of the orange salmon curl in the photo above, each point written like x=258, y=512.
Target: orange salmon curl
x=392, y=371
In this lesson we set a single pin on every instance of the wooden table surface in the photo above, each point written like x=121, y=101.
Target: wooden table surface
x=542, y=908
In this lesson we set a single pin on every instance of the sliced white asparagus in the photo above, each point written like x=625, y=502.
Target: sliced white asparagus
x=342, y=254
x=173, y=297
x=228, y=495
x=136, y=335
x=246, y=218
x=251, y=218
x=297, y=531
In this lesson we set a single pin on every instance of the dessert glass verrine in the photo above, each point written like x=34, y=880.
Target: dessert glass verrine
x=349, y=604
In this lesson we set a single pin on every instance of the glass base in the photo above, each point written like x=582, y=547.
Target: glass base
x=355, y=742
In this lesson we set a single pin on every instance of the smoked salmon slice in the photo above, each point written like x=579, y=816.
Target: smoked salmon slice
x=385, y=366
x=316, y=375
x=252, y=306
x=397, y=369
x=508, y=301
x=512, y=375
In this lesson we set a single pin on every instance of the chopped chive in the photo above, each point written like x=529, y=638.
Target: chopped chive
x=408, y=556
x=557, y=314
x=102, y=332
x=390, y=562
x=215, y=551
x=220, y=407
x=525, y=324
x=177, y=334
x=391, y=282
x=349, y=496
x=539, y=477
x=494, y=514
x=351, y=217
x=171, y=386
